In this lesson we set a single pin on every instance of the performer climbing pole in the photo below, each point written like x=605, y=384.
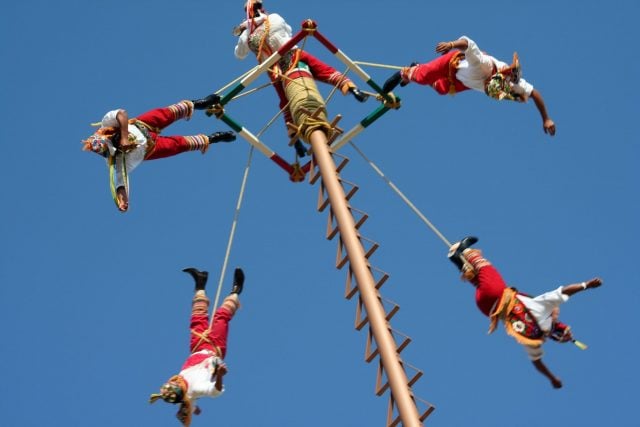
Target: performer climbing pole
x=263, y=34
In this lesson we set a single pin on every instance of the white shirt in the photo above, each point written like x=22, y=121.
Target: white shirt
x=133, y=157
x=200, y=379
x=477, y=67
x=279, y=33
x=540, y=308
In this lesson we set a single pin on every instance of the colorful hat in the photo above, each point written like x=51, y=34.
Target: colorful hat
x=174, y=391
x=499, y=87
x=98, y=143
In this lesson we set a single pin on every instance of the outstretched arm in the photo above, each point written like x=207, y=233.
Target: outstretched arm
x=542, y=368
x=579, y=287
x=444, y=47
x=123, y=123
x=548, y=125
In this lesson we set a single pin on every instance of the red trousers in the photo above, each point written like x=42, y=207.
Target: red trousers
x=436, y=74
x=216, y=337
x=167, y=146
x=489, y=287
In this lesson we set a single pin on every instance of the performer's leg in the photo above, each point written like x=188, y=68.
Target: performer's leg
x=479, y=271
x=220, y=330
x=167, y=146
x=199, y=321
x=199, y=311
x=160, y=118
x=324, y=72
x=430, y=72
x=484, y=275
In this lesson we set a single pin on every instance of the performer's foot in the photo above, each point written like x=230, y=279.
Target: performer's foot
x=238, y=281
x=222, y=137
x=403, y=83
x=456, y=250
x=357, y=94
x=392, y=82
x=200, y=277
x=204, y=103
x=300, y=148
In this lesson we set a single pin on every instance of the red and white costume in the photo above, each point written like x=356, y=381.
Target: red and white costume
x=457, y=71
x=266, y=34
x=208, y=347
x=145, y=130
x=528, y=319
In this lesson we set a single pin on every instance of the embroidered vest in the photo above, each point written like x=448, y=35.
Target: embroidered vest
x=516, y=318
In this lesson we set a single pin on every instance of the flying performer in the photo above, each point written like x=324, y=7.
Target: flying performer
x=464, y=66
x=263, y=34
x=203, y=371
x=530, y=320
x=125, y=142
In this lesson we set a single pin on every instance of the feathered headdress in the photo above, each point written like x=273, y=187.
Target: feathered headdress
x=175, y=391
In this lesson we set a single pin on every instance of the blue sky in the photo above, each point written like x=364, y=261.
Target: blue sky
x=94, y=307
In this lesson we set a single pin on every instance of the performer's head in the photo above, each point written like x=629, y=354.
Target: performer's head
x=253, y=8
x=499, y=87
x=173, y=391
x=98, y=143
x=101, y=141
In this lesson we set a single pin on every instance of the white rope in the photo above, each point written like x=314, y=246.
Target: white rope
x=223, y=88
x=402, y=196
x=233, y=230
x=371, y=64
x=249, y=92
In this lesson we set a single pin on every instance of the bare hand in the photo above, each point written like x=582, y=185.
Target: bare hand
x=549, y=127
x=444, y=47
x=238, y=30
x=594, y=283
x=123, y=199
x=221, y=369
x=556, y=383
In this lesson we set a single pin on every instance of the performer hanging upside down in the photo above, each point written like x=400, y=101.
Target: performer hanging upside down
x=530, y=320
x=126, y=143
x=201, y=375
x=464, y=66
x=263, y=34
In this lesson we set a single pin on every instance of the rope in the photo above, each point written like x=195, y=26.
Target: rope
x=203, y=336
x=222, y=89
x=372, y=64
x=402, y=196
x=249, y=92
x=233, y=230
